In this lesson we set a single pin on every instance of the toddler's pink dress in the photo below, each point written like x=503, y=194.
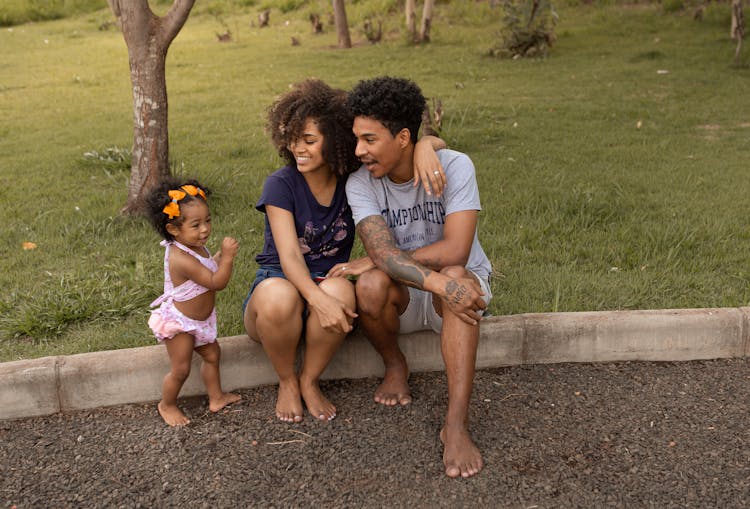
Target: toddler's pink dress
x=167, y=320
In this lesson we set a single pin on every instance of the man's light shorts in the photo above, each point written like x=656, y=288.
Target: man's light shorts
x=421, y=315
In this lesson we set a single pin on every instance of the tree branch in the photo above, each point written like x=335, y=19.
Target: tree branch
x=175, y=18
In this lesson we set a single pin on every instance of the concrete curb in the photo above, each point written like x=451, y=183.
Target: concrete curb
x=54, y=384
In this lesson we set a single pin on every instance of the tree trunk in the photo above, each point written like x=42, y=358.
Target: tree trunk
x=424, y=31
x=148, y=37
x=342, y=26
x=411, y=19
x=738, y=28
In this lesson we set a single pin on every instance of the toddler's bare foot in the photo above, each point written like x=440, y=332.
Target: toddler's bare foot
x=289, y=401
x=460, y=456
x=226, y=398
x=394, y=389
x=317, y=404
x=172, y=415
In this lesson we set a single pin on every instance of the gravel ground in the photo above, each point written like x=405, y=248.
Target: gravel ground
x=566, y=435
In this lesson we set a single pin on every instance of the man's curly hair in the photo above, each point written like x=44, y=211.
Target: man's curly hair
x=396, y=102
x=314, y=99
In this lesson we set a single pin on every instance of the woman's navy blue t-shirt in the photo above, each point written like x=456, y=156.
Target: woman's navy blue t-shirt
x=325, y=234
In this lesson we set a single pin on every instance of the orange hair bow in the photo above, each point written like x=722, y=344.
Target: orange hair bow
x=173, y=208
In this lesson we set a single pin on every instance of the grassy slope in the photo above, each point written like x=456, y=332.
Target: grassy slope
x=582, y=210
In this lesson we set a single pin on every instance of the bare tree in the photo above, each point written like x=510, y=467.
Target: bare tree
x=411, y=18
x=424, y=30
x=148, y=37
x=342, y=26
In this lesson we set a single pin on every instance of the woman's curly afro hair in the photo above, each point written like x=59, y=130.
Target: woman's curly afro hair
x=158, y=198
x=314, y=99
x=396, y=102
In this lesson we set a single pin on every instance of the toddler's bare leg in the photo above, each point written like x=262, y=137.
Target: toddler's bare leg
x=180, y=351
x=217, y=398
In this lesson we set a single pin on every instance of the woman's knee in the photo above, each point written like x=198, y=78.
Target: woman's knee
x=341, y=288
x=275, y=300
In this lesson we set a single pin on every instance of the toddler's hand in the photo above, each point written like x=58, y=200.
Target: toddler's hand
x=229, y=247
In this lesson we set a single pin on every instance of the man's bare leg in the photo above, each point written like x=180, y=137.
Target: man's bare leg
x=380, y=301
x=459, y=340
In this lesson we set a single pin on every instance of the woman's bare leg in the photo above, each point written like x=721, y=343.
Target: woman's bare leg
x=274, y=318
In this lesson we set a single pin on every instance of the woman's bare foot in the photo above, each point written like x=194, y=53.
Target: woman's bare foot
x=317, y=404
x=227, y=398
x=289, y=401
x=394, y=389
x=460, y=456
x=172, y=415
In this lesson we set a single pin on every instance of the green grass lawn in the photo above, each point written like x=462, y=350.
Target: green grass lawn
x=613, y=174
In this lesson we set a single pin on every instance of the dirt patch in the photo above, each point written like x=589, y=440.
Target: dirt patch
x=567, y=435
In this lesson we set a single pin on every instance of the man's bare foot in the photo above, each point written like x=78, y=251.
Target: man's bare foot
x=317, y=404
x=460, y=456
x=227, y=398
x=394, y=389
x=289, y=402
x=172, y=415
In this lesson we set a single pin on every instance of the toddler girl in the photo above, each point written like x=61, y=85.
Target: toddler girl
x=186, y=318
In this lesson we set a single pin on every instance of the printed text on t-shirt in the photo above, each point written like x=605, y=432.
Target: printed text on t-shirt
x=428, y=211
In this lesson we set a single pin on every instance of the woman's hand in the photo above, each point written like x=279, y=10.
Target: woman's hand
x=351, y=268
x=334, y=315
x=427, y=167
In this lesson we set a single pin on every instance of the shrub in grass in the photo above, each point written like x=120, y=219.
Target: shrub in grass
x=529, y=29
x=671, y=6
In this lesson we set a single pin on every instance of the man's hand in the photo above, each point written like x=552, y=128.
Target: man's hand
x=464, y=299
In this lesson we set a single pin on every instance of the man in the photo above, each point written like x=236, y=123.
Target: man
x=425, y=268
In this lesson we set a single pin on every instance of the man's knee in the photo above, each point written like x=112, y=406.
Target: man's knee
x=455, y=271
x=372, y=290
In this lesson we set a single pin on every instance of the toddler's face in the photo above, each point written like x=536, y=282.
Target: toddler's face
x=195, y=228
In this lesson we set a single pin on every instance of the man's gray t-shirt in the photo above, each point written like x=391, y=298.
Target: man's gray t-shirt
x=415, y=218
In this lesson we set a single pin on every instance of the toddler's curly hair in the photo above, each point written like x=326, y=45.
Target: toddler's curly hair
x=314, y=99
x=396, y=102
x=158, y=198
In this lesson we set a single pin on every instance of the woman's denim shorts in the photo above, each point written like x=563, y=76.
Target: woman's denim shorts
x=267, y=271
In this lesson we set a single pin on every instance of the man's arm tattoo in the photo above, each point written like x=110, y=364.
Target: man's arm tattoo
x=382, y=249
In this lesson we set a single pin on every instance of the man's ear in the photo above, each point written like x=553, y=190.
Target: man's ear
x=404, y=137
